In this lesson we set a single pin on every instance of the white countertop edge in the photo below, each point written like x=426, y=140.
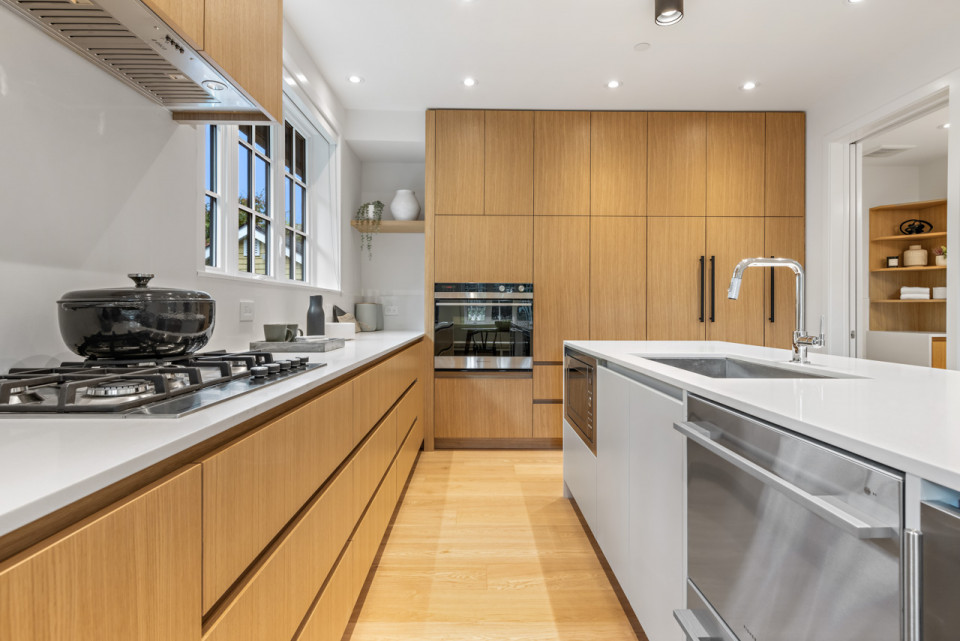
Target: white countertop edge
x=189, y=430
x=919, y=461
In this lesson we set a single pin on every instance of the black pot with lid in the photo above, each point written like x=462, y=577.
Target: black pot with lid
x=136, y=322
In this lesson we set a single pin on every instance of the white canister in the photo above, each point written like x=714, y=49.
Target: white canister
x=941, y=261
x=405, y=205
x=916, y=256
x=939, y=293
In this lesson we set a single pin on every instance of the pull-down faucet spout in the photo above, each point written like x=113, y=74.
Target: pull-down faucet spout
x=800, y=339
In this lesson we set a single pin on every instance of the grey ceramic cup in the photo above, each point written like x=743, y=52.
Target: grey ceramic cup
x=294, y=329
x=277, y=333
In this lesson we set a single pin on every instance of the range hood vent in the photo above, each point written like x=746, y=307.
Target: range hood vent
x=127, y=39
x=885, y=151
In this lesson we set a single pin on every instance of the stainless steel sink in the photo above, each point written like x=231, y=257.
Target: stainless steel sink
x=725, y=367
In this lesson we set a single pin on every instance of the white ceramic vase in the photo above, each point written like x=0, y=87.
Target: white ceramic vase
x=941, y=261
x=405, y=205
x=916, y=256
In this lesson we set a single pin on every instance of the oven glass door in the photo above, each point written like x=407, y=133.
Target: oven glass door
x=487, y=334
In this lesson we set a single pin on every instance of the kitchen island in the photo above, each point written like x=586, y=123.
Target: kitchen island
x=795, y=476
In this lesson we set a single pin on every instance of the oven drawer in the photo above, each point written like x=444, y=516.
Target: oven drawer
x=789, y=540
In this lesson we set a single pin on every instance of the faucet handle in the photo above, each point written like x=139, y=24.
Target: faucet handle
x=822, y=339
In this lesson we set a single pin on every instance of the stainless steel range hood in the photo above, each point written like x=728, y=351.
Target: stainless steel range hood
x=132, y=43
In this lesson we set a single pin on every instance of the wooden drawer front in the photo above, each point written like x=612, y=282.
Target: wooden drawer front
x=408, y=454
x=370, y=533
x=131, y=571
x=254, y=486
x=377, y=389
x=332, y=612
x=410, y=409
x=548, y=382
x=372, y=461
x=278, y=595
x=548, y=420
x=483, y=407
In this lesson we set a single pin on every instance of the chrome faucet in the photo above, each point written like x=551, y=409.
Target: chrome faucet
x=800, y=339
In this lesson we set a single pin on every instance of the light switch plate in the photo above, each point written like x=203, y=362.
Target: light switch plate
x=391, y=310
x=246, y=310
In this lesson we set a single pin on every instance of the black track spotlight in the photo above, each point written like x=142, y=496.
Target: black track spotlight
x=669, y=12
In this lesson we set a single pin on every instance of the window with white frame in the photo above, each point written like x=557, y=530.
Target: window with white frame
x=285, y=226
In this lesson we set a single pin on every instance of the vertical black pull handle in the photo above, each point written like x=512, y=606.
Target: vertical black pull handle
x=702, y=289
x=773, y=302
x=713, y=289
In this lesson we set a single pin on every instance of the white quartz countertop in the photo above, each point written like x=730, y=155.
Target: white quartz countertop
x=902, y=416
x=48, y=462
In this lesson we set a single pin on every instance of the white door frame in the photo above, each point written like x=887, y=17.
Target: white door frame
x=844, y=222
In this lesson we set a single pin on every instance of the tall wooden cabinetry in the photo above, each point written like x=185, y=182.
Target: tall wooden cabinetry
x=630, y=222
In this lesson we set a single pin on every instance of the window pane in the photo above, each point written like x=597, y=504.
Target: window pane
x=243, y=180
x=261, y=185
x=246, y=133
x=243, y=232
x=301, y=160
x=263, y=140
x=210, y=233
x=288, y=147
x=300, y=197
x=298, y=258
x=260, y=247
x=288, y=250
x=210, y=162
x=288, y=199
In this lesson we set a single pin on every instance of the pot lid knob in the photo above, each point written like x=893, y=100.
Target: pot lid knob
x=140, y=280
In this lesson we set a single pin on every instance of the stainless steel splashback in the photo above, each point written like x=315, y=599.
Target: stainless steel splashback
x=131, y=42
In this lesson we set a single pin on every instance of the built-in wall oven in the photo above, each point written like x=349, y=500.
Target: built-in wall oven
x=788, y=539
x=483, y=326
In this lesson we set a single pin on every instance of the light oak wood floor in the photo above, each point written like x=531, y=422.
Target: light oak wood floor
x=484, y=547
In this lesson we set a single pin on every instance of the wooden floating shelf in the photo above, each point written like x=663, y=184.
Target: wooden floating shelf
x=897, y=300
x=932, y=234
x=926, y=268
x=390, y=227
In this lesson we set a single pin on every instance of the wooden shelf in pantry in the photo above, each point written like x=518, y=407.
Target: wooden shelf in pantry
x=926, y=268
x=897, y=300
x=932, y=234
x=390, y=226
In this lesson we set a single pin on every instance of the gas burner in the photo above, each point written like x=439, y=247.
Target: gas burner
x=121, y=388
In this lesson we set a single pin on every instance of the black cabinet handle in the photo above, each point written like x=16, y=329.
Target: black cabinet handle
x=713, y=289
x=702, y=289
x=773, y=303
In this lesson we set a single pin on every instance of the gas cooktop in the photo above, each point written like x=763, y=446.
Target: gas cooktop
x=167, y=387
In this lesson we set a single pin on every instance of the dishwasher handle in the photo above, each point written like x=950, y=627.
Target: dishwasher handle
x=692, y=627
x=830, y=511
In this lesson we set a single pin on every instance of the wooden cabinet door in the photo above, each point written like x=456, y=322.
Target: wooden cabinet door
x=785, y=164
x=618, y=278
x=676, y=164
x=483, y=249
x=508, y=163
x=735, y=164
x=618, y=163
x=784, y=238
x=229, y=26
x=561, y=284
x=730, y=240
x=562, y=163
x=184, y=16
x=677, y=269
x=131, y=571
x=459, y=162
x=506, y=402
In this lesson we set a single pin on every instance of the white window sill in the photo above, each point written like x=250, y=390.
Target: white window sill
x=267, y=281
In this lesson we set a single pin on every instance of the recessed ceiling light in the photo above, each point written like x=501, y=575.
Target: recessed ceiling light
x=749, y=85
x=854, y=1
x=214, y=85
x=469, y=82
x=354, y=79
x=945, y=125
x=641, y=46
x=290, y=81
x=668, y=12
x=614, y=84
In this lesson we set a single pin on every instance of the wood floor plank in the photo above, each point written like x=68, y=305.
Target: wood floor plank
x=485, y=548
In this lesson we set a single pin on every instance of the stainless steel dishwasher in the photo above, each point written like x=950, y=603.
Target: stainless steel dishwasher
x=787, y=539
x=940, y=523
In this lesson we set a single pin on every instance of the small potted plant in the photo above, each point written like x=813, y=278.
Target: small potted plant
x=368, y=219
x=940, y=255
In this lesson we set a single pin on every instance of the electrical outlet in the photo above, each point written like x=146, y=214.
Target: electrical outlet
x=391, y=310
x=246, y=310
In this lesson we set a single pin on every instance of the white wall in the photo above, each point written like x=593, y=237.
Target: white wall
x=96, y=182
x=933, y=180
x=393, y=275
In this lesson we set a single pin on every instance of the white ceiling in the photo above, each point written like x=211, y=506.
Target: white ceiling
x=413, y=54
x=929, y=141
